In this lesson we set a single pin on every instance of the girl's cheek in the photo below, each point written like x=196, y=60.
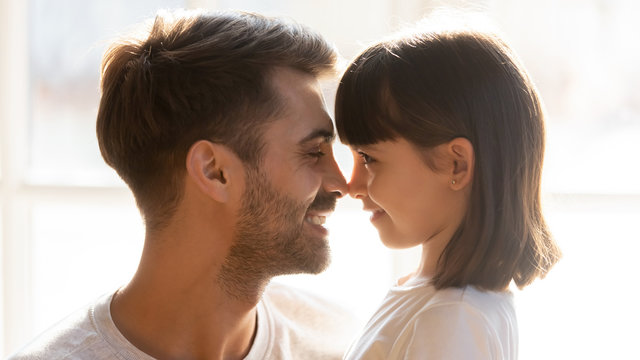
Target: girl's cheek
x=376, y=190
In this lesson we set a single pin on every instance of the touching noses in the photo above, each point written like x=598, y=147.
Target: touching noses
x=358, y=183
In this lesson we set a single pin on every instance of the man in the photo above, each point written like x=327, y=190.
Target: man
x=217, y=124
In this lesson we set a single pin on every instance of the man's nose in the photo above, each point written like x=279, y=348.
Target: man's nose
x=358, y=183
x=333, y=181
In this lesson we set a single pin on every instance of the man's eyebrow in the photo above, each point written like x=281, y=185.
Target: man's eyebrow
x=327, y=135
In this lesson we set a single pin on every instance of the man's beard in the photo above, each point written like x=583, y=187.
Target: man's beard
x=270, y=239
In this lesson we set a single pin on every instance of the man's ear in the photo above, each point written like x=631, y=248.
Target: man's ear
x=461, y=162
x=213, y=168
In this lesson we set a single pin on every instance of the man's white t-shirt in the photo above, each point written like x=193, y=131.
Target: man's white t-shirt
x=416, y=321
x=291, y=325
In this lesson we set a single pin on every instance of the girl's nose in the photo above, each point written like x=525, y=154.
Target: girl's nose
x=358, y=183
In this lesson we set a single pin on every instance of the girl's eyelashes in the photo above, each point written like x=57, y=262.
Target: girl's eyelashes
x=366, y=159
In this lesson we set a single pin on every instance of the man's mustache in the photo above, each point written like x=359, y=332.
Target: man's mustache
x=324, y=201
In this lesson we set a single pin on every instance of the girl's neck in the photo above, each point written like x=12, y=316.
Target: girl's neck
x=431, y=251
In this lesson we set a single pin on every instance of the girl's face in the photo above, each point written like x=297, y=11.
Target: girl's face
x=411, y=204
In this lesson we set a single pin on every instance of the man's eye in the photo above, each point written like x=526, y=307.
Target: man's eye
x=366, y=159
x=317, y=153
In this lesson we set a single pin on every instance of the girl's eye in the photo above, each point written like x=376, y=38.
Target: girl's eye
x=366, y=159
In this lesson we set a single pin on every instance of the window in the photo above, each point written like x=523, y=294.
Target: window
x=61, y=206
x=66, y=218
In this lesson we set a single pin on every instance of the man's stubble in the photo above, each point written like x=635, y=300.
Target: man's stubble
x=270, y=239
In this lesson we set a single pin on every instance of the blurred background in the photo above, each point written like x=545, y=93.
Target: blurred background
x=69, y=229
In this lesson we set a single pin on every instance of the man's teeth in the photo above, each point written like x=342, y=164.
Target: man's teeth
x=316, y=220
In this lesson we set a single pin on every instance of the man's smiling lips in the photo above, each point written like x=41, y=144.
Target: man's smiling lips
x=322, y=206
x=317, y=217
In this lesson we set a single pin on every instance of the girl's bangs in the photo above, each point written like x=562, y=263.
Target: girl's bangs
x=362, y=101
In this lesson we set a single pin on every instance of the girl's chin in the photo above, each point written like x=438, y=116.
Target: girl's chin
x=393, y=240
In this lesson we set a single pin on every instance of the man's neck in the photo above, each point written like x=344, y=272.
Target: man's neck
x=174, y=310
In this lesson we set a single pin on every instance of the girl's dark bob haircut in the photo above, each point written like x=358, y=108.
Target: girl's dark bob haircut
x=430, y=88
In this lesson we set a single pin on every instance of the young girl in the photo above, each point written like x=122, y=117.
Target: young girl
x=447, y=130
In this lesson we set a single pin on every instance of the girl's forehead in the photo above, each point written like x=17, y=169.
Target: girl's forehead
x=368, y=147
x=382, y=146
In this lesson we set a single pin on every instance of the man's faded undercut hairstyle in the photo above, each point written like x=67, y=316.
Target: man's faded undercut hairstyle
x=195, y=76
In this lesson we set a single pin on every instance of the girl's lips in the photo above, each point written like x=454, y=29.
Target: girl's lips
x=376, y=214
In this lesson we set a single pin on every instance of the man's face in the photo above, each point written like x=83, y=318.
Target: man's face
x=287, y=199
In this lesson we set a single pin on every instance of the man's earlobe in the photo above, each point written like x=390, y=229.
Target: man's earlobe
x=208, y=166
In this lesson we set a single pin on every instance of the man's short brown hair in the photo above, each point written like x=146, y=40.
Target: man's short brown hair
x=195, y=76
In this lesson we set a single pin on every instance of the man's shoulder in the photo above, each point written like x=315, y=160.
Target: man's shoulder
x=75, y=337
x=304, y=306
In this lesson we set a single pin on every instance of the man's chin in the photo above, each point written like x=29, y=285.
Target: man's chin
x=319, y=266
x=311, y=268
x=313, y=258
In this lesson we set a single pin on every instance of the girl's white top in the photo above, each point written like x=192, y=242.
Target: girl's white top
x=416, y=321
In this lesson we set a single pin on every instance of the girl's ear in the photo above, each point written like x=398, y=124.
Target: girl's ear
x=461, y=163
x=214, y=168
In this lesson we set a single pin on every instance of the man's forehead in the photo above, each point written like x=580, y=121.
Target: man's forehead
x=303, y=116
x=301, y=130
